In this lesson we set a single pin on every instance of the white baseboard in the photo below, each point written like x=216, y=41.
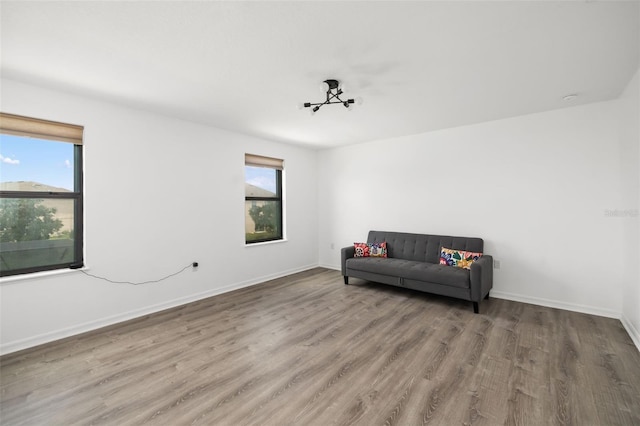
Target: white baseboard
x=114, y=319
x=631, y=330
x=585, y=309
x=335, y=268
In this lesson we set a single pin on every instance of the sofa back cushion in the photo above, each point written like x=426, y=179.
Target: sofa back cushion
x=422, y=247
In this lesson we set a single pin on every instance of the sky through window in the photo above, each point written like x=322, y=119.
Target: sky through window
x=34, y=160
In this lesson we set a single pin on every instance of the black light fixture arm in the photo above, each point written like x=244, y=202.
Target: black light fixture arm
x=333, y=96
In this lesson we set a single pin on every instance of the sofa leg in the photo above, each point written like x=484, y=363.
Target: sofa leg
x=346, y=279
x=486, y=297
x=476, y=309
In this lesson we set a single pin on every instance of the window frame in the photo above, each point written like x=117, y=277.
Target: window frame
x=50, y=134
x=276, y=165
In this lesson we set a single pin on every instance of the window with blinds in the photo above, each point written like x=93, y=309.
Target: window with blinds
x=263, y=199
x=40, y=195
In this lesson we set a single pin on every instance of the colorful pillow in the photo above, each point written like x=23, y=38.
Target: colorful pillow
x=378, y=250
x=458, y=258
x=370, y=250
x=362, y=249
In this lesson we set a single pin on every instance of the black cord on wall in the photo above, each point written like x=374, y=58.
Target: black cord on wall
x=191, y=265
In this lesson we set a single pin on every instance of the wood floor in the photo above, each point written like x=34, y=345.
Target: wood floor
x=309, y=350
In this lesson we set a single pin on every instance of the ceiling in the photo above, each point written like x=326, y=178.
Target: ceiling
x=244, y=66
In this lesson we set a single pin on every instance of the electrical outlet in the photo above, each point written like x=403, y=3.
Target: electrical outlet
x=496, y=264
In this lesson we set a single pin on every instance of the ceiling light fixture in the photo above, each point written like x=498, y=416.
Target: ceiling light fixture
x=334, y=89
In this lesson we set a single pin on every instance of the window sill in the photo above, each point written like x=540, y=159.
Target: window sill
x=38, y=275
x=264, y=243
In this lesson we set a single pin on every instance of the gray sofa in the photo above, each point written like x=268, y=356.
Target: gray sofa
x=413, y=262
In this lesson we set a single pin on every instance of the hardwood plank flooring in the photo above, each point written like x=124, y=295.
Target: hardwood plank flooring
x=309, y=350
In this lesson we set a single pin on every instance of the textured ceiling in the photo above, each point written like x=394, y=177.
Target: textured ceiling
x=243, y=66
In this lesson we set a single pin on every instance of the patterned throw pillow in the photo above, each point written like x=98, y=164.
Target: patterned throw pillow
x=458, y=258
x=362, y=249
x=378, y=250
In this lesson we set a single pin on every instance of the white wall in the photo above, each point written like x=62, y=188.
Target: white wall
x=630, y=183
x=160, y=193
x=535, y=187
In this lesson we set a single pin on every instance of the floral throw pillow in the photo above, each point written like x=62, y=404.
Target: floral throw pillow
x=378, y=250
x=458, y=258
x=362, y=249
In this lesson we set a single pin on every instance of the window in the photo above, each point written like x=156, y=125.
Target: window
x=40, y=195
x=263, y=199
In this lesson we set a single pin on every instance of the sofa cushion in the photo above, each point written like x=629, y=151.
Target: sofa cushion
x=414, y=270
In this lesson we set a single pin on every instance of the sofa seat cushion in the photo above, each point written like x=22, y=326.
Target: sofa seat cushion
x=413, y=270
